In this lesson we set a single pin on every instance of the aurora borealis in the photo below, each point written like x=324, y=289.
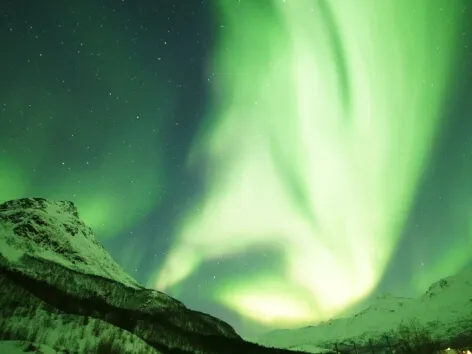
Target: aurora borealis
x=273, y=163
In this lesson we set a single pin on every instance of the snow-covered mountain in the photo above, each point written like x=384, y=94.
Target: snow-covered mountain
x=61, y=292
x=27, y=226
x=443, y=312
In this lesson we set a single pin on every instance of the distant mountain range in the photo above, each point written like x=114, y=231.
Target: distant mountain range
x=61, y=292
x=443, y=312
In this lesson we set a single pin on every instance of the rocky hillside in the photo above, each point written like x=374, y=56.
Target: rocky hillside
x=61, y=292
x=443, y=314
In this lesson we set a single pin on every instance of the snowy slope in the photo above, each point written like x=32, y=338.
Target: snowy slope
x=445, y=310
x=27, y=224
x=60, y=289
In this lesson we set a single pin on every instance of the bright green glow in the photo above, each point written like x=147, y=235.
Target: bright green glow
x=326, y=114
x=266, y=299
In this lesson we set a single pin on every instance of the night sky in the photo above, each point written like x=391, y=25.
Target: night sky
x=273, y=163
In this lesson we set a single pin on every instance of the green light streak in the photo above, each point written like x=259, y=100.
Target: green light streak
x=267, y=298
x=326, y=114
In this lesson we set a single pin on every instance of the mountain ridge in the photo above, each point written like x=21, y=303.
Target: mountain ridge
x=54, y=272
x=444, y=311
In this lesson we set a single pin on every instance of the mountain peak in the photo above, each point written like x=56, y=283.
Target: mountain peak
x=39, y=203
x=52, y=230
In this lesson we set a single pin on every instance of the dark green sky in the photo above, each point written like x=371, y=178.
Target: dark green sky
x=235, y=154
